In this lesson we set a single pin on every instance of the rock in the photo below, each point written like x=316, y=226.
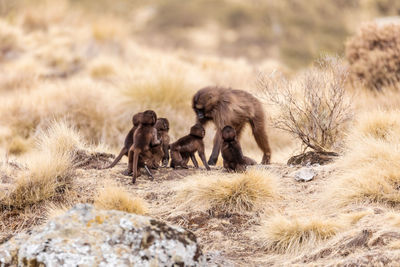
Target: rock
x=312, y=157
x=85, y=236
x=304, y=174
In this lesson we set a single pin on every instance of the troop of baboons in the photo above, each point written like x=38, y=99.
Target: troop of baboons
x=147, y=144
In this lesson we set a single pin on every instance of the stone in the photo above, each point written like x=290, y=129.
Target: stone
x=304, y=174
x=86, y=236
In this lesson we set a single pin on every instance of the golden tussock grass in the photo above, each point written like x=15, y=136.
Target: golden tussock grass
x=49, y=170
x=117, y=198
x=283, y=234
x=249, y=191
x=160, y=90
x=371, y=165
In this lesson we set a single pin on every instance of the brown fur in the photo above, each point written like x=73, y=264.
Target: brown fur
x=162, y=153
x=231, y=107
x=232, y=152
x=187, y=146
x=144, y=137
x=128, y=140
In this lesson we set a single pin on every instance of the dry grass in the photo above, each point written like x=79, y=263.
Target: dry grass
x=374, y=55
x=371, y=165
x=250, y=191
x=284, y=234
x=117, y=198
x=49, y=170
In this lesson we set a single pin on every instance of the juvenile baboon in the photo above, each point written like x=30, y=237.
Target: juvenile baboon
x=186, y=146
x=162, y=126
x=232, y=152
x=128, y=140
x=144, y=137
x=231, y=107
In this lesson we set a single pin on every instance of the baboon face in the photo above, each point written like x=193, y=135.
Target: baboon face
x=228, y=133
x=162, y=124
x=197, y=130
x=204, y=102
x=137, y=118
x=149, y=117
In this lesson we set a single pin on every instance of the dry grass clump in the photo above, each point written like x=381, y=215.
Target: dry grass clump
x=49, y=170
x=252, y=190
x=284, y=234
x=161, y=90
x=313, y=108
x=371, y=165
x=117, y=198
x=374, y=56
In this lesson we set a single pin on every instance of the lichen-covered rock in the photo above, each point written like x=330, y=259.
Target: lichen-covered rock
x=86, y=236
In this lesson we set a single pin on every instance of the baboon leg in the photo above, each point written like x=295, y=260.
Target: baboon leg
x=258, y=128
x=203, y=159
x=216, y=148
x=166, y=155
x=135, y=174
x=184, y=161
x=176, y=158
x=193, y=158
x=130, y=162
x=123, y=152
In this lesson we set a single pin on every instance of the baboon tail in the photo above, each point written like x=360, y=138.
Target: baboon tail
x=124, y=150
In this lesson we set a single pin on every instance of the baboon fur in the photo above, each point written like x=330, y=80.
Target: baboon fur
x=225, y=106
x=161, y=152
x=144, y=137
x=187, y=146
x=232, y=152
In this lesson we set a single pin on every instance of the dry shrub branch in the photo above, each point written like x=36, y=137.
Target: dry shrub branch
x=314, y=107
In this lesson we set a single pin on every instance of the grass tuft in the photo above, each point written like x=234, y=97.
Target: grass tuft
x=249, y=191
x=371, y=165
x=284, y=234
x=117, y=198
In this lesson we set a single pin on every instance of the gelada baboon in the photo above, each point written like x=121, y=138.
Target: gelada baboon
x=128, y=140
x=144, y=137
x=162, y=153
x=231, y=107
x=186, y=146
x=232, y=152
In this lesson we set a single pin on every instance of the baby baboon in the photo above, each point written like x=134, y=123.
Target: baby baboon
x=186, y=146
x=232, y=152
x=128, y=140
x=144, y=137
x=231, y=107
x=162, y=126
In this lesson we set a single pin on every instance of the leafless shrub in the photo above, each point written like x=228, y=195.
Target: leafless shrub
x=374, y=56
x=313, y=107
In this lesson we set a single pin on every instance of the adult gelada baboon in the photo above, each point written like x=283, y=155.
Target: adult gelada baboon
x=128, y=140
x=232, y=154
x=226, y=106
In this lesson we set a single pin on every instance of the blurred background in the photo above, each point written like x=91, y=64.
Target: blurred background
x=96, y=63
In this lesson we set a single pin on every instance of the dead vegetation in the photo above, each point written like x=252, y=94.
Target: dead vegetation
x=373, y=55
x=315, y=107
